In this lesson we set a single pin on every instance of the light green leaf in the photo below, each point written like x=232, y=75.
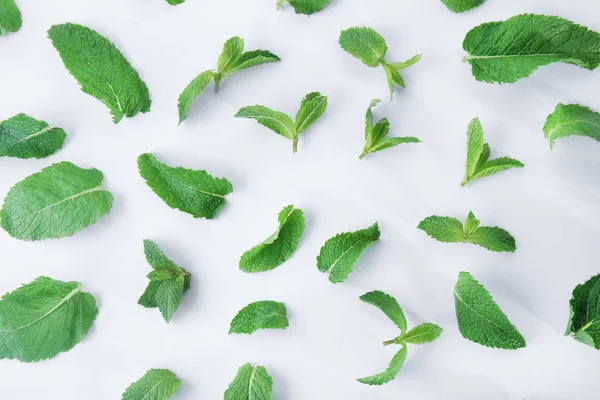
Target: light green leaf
x=572, y=119
x=311, y=109
x=44, y=318
x=471, y=224
x=443, y=229
x=175, y=2
x=480, y=320
x=496, y=165
x=380, y=131
x=101, y=69
x=392, y=142
x=510, y=50
x=391, y=372
x=192, y=191
x=339, y=254
x=264, y=314
x=493, y=238
x=475, y=145
x=459, y=6
x=307, y=7
x=369, y=119
x=388, y=305
x=365, y=44
x=10, y=17
x=584, y=319
x=408, y=63
x=250, y=383
x=276, y=121
x=191, y=91
x=24, y=137
x=280, y=246
x=393, y=78
x=232, y=50
x=156, y=384
x=156, y=258
x=250, y=59
x=424, y=333
x=56, y=202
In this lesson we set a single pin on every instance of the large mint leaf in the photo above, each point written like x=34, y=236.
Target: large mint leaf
x=58, y=201
x=388, y=305
x=101, y=69
x=250, y=383
x=459, y=6
x=44, y=318
x=191, y=91
x=572, y=119
x=10, y=17
x=264, y=314
x=584, y=319
x=365, y=44
x=392, y=370
x=24, y=137
x=192, y=191
x=507, y=51
x=156, y=384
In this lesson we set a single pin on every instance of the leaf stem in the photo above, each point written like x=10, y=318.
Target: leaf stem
x=388, y=342
x=217, y=78
x=295, y=145
x=464, y=182
x=279, y=4
x=364, y=153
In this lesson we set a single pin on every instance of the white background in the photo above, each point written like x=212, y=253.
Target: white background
x=550, y=206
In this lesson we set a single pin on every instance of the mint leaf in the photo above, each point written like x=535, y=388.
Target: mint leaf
x=156, y=384
x=44, y=318
x=459, y=6
x=192, y=191
x=175, y=2
x=339, y=254
x=280, y=246
x=370, y=48
x=24, y=137
x=507, y=51
x=313, y=106
x=101, y=69
x=388, y=305
x=424, y=333
x=392, y=370
x=56, y=202
x=584, y=318
x=480, y=320
x=264, y=314
x=10, y=17
x=450, y=230
x=306, y=7
x=250, y=383
x=478, y=153
x=375, y=133
x=572, y=119
x=232, y=59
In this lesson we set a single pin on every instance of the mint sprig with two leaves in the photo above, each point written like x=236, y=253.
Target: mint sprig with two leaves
x=370, y=48
x=306, y=7
x=232, y=59
x=424, y=333
x=313, y=106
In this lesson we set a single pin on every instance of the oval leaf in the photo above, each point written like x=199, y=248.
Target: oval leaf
x=260, y=315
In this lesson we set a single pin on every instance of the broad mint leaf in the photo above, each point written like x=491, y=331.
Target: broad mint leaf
x=339, y=254
x=480, y=320
x=306, y=7
x=101, y=69
x=424, y=333
x=264, y=314
x=507, y=51
x=167, y=284
x=443, y=229
x=584, y=318
x=56, y=202
x=572, y=119
x=192, y=191
x=388, y=305
x=250, y=383
x=375, y=133
x=44, y=318
x=280, y=246
x=478, y=153
x=232, y=59
x=156, y=384
x=313, y=106
x=459, y=6
x=392, y=370
x=24, y=137
x=10, y=17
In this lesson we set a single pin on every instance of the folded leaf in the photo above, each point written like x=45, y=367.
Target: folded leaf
x=392, y=142
x=572, y=119
x=191, y=91
x=24, y=137
x=308, y=7
x=192, y=191
x=44, y=318
x=459, y=6
x=276, y=121
x=250, y=383
x=424, y=333
x=391, y=372
x=10, y=17
x=101, y=69
x=260, y=315
x=584, y=318
x=250, y=59
x=156, y=384
x=388, y=305
x=496, y=165
x=507, y=51
x=313, y=106
x=480, y=319
x=365, y=44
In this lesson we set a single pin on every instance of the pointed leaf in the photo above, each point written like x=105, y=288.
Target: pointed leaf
x=408, y=63
x=365, y=44
x=471, y=225
x=156, y=384
x=168, y=296
x=24, y=137
x=584, y=321
x=156, y=258
x=424, y=333
x=572, y=119
x=312, y=108
x=250, y=59
x=391, y=372
x=380, y=131
x=497, y=165
x=277, y=121
x=475, y=146
x=388, y=305
x=308, y=7
x=191, y=92
x=443, y=229
x=260, y=315
x=250, y=383
x=369, y=120
x=493, y=238
x=232, y=50
x=392, y=142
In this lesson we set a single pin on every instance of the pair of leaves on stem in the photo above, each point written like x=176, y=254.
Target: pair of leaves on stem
x=156, y=384
x=424, y=333
x=459, y=6
x=584, y=316
x=306, y=7
x=25, y=137
x=478, y=154
x=507, y=51
x=168, y=282
x=10, y=17
x=572, y=119
x=451, y=230
x=311, y=109
x=375, y=134
x=232, y=59
x=370, y=48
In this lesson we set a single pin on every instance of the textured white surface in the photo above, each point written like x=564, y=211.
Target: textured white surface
x=550, y=206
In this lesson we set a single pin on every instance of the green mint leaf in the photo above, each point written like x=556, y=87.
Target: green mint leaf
x=584, y=319
x=424, y=333
x=280, y=246
x=391, y=372
x=250, y=383
x=250, y=59
x=391, y=142
x=459, y=6
x=393, y=78
x=493, y=238
x=369, y=119
x=365, y=44
x=10, y=17
x=388, y=305
x=175, y=2
x=339, y=254
x=192, y=191
x=24, y=137
x=408, y=63
x=44, y=318
x=471, y=224
x=572, y=119
x=101, y=69
x=56, y=202
x=480, y=320
x=443, y=229
x=191, y=91
x=313, y=106
x=156, y=384
x=306, y=7
x=232, y=51
x=156, y=258
x=264, y=314
x=507, y=51
x=478, y=153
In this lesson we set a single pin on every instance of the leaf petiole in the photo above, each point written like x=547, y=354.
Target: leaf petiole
x=279, y=4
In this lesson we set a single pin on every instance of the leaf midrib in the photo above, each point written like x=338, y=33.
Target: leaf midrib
x=478, y=314
x=96, y=189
